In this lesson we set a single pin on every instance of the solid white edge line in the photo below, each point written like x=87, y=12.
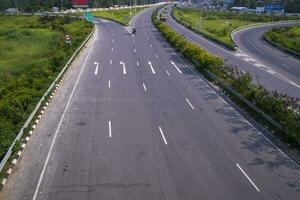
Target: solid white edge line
x=109, y=128
x=152, y=69
x=59, y=124
x=167, y=73
x=144, y=87
x=249, y=179
x=176, y=67
x=162, y=135
x=190, y=104
x=108, y=83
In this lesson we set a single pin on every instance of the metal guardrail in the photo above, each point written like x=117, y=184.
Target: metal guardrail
x=241, y=98
x=39, y=104
x=235, y=93
x=245, y=101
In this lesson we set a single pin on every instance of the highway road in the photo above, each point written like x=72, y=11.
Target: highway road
x=273, y=77
x=133, y=121
x=250, y=41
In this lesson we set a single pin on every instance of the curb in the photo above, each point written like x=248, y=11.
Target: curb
x=280, y=47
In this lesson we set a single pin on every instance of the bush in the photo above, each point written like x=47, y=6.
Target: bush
x=282, y=108
x=217, y=26
x=22, y=87
x=288, y=37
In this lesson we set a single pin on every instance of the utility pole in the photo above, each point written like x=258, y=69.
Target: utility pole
x=130, y=10
x=16, y=5
x=62, y=5
x=284, y=6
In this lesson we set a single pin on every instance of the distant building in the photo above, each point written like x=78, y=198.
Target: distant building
x=11, y=11
x=80, y=3
x=274, y=7
x=55, y=9
x=260, y=10
x=239, y=9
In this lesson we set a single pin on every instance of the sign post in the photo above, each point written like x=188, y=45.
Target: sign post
x=89, y=16
x=68, y=39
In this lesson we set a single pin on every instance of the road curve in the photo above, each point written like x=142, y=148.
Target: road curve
x=260, y=72
x=134, y=121
x=251, y=42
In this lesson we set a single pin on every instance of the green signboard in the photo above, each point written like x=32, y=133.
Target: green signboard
x=89, y=16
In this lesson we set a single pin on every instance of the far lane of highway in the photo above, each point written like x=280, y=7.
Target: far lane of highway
x=250, y=41
x=272, y=79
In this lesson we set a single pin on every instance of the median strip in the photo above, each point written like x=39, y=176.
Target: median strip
x=261, y=104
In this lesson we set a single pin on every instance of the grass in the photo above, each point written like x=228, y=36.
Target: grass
x=219, y=25
x=32, y=53
x=288, y=37
x=121, y=16
x=23, y=48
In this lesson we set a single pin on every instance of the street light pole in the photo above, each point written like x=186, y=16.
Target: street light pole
x=62, y=5
x=16, y=5
x=130, y=10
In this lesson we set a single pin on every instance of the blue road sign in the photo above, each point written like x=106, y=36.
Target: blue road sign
x=89, y=16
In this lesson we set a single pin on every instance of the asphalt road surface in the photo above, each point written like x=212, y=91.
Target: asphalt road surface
x=273, y=76
x=133, y=121
x=251, y=42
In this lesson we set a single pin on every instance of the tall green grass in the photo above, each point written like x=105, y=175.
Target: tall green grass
x=288, y=37
x=219, y=25
x=32, y=52
x=121, y=16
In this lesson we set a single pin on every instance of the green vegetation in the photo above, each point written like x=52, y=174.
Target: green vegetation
x=32, y=53
x=292, y=6
x=281, y=108
x=121, y=16
x=287, y=37
x=34, y=5
x=218, y=26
